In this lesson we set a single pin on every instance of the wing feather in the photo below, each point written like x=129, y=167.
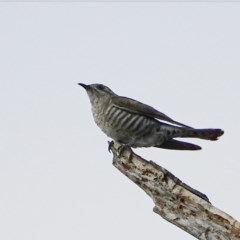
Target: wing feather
x=137, y=107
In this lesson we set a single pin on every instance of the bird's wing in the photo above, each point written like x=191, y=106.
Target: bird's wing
x=134, y=106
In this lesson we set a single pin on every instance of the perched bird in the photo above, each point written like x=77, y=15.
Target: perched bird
x=133, y=123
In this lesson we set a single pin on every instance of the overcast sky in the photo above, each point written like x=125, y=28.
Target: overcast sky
x=56, y=175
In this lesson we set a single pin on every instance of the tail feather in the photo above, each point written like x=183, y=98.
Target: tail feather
x=208, y=134
x=178, y=145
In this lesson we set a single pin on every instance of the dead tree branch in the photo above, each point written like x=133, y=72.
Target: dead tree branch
x=175, y=201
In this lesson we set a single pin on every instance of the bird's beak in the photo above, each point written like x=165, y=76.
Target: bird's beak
x=84, y=85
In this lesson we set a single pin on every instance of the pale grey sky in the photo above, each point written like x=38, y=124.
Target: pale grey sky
x=56, y=177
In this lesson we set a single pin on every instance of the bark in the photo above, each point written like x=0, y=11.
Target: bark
x=175, y=201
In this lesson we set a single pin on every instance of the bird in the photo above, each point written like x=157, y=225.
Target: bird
x=135, y=124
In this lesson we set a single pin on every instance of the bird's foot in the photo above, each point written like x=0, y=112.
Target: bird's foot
x=122, y=148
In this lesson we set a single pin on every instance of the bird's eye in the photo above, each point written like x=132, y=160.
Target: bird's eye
x=100, y=87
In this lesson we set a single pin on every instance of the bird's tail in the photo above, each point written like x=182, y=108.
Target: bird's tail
x=178, y=145
x=207, y=134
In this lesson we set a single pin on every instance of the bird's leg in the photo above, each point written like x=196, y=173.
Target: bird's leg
x=122, y=148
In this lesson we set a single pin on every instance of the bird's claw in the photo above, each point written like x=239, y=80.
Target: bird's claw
x=110, y=144
x=122, y=148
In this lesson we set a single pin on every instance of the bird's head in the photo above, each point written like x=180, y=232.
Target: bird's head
x=97, y=91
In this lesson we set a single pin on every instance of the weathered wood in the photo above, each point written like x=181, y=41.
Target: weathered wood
x=175, y=201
